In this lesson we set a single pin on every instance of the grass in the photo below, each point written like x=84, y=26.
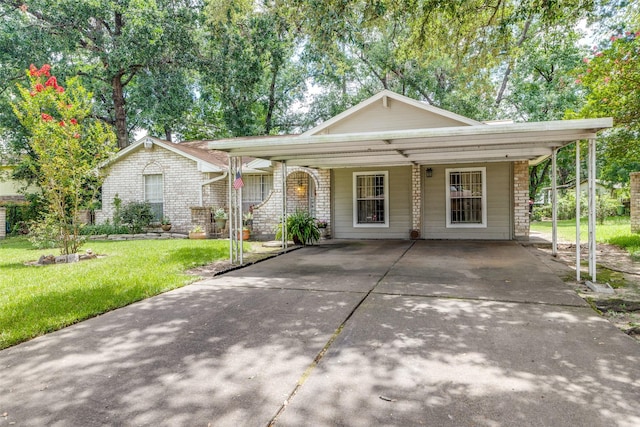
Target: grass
x=35, y=300
x=615, y=230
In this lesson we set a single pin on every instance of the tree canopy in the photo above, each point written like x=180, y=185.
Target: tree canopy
x=184, y=69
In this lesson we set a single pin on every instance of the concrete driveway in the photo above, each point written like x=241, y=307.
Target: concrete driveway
x=349, y=333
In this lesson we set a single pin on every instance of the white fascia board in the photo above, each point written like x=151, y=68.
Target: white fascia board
x=560, y=130
x=259, y=164
x=208, y=167
x=124, y=152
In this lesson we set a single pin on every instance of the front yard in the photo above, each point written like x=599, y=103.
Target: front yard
x=615, y=231
x=35, y=300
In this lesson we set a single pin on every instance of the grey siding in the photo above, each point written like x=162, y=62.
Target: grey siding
x=396, y=115
x=399, y=205
x=499, y=205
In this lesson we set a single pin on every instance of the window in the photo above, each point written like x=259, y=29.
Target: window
x=153, y=194
x=256, y=189
x=466, y=197
x=371, y=201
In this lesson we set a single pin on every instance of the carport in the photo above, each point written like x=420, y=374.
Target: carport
x=531, y=142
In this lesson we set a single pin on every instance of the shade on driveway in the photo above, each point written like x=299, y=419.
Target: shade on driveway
x=348, y=333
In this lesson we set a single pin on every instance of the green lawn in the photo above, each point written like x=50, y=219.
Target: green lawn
x=36, y=300
x=615, y=230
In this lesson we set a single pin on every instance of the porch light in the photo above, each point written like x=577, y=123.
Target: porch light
x=429, y=172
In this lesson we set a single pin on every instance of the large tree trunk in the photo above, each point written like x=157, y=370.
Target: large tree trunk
x=120, y=113
x=268, y=123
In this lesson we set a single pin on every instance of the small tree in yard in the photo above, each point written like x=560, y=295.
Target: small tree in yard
x=68, y=145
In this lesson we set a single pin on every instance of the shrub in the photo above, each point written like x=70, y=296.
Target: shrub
x=605, y=207
x=301, y=227
x=136, y=215
x=106, y=228
x=541, y=212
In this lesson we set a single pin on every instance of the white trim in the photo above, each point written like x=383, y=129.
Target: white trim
x=447, y=172
x=386, y=199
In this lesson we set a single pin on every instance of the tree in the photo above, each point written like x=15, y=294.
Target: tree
x=107, y=41
x=611, y=78
x=251, y=64
x=68, y=146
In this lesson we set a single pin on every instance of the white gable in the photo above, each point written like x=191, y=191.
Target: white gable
x=388, y=111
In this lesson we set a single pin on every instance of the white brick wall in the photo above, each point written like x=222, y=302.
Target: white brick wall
x=182, y=185
x=416, y=198
x=3, y=223
x=267, y=214
x=521, y=200
x=635, y=201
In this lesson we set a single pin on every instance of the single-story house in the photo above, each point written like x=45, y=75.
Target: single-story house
x=393, y=167
x=11, y=196
x=178, y=180
x=544, y=195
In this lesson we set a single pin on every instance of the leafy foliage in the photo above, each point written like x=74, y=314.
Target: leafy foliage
x=611, y=77
x=68, y=146
x=136, y=215
x=301, y=227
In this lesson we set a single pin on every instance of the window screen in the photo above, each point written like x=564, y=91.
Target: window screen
x=466, y=197
x=370, y=199
x=153, y=194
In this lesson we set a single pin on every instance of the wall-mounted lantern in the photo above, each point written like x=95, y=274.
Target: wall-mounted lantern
x=429, y=172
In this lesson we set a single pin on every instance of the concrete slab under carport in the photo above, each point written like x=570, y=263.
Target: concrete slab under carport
x=345, y=266
x=489, y=270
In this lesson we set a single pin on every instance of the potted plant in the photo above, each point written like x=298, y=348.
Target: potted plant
x=220, y=218
x=301, y=227
x=246, y=233
x=247, y=219
x=165, y=223
x=197, y=233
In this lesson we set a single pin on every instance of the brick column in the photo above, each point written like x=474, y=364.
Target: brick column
x=202, y=216
x=635, y=202
x=3, y=223
x=416, y=201
x=521, y=200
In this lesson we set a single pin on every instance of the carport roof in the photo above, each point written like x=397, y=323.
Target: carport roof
x=531, y=141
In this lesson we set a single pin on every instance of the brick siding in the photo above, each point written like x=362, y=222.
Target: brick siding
x=182, y=185
x=635, y=202
x=267, y=214
x=3, y=223
x=521, y=216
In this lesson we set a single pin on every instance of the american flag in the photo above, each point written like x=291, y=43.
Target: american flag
x=238, y=183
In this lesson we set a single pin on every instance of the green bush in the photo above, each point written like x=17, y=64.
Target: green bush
x=136, y=216
x=567, y=205
x=605, y=207
x=541, y=212
x=301, y=227
x=106, y=228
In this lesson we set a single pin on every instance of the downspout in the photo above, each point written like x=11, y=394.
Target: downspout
x=211, y=181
